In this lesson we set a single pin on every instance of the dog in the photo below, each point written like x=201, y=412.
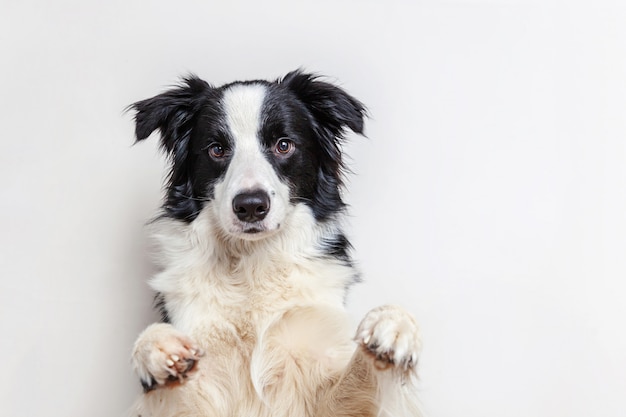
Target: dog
x=254, y=267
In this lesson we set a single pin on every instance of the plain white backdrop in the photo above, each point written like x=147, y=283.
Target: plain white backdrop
x=489, y=197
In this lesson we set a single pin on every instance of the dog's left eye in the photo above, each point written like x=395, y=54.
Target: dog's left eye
x=217, y=150
x=284, y=147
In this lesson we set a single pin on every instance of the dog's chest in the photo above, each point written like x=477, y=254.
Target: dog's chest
x=246, y=296
x=232, y=308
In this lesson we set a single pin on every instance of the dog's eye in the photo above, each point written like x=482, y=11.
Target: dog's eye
x=284, y=147
x=217, y=150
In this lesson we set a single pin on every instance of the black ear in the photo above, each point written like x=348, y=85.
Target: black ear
x=171, y=112
x=332, y=111
x=333, y=108
x=174, y=113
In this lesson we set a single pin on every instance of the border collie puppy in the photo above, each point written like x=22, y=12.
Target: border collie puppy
x=254, y=266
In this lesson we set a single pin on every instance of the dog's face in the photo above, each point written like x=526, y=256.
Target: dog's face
x=252, y=150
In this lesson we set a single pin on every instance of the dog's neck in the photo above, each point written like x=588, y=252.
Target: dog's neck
x=207, y=274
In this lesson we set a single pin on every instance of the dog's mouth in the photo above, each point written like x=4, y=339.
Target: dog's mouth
x=252, y=231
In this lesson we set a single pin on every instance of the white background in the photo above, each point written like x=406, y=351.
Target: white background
x=489, y=197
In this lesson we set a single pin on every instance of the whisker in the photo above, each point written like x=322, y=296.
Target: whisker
x=193, y=215
x=195, y=198
x=302, y=199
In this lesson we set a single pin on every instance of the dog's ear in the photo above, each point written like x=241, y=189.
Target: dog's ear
x=333, y=112
x=333, y=109
x=171, y=112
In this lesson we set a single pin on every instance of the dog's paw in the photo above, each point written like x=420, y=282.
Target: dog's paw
x=162, y=355
x=391, y=336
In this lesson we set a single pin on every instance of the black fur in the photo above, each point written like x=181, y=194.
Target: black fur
x=159, y=305
x=311, y=112
x=148, y=385
x=338, y=247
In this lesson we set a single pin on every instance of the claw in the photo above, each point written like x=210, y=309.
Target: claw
x=190, y=364
x=372, y=346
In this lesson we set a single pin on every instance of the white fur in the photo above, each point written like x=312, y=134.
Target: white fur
x=264, y=318
x=249, y=169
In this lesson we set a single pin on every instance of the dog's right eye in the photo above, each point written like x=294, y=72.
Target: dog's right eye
x=217, y=150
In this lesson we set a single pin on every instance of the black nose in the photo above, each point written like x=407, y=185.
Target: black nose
x=251, y=206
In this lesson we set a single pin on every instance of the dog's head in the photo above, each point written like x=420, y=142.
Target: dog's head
x=253, y=150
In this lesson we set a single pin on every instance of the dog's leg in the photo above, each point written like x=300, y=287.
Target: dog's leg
x=354, y=394
x=379, y=379
x=163, y=355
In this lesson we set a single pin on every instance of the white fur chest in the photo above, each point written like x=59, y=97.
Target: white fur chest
x=244, y=305
x=208, y=281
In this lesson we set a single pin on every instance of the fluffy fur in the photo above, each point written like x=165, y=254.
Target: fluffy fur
x=255, y=266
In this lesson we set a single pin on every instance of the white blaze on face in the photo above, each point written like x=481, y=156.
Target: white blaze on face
x=249, y=168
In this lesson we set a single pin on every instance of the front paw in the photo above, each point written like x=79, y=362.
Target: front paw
x=163, y=355
x=391, y=336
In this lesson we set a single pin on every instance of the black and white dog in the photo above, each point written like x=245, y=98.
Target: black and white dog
x=255, y=266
